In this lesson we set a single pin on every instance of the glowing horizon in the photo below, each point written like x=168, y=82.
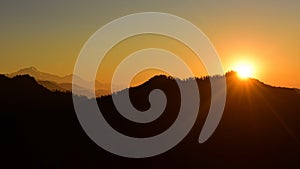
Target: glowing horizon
x=50, y=35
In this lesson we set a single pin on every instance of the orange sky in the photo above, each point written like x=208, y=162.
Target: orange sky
x=50, y=35
x=128, y=46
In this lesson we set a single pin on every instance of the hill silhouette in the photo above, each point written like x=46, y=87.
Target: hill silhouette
x=259, y=128
x=62, y=83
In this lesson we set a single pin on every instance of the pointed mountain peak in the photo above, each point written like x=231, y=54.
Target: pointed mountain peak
x=31, y=68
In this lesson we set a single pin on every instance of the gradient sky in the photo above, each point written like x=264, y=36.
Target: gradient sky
x=50, y=34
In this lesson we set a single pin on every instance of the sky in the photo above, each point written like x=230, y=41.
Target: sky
x=50, y=34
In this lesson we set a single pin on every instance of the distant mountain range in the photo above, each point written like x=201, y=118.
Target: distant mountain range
x=63, y=83
x=259, y=128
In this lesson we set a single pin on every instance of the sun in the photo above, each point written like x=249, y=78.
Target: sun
x=244, y=70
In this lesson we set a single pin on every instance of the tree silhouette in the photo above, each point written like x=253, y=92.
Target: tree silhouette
x=259, y=128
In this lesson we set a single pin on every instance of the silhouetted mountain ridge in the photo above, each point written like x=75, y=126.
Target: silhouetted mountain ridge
x=259, y=128
x=62, y=83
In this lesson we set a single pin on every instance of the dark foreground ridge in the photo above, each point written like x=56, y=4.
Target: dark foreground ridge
x=259, y=128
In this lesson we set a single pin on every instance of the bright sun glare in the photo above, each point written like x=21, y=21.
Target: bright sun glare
x=244, y=70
